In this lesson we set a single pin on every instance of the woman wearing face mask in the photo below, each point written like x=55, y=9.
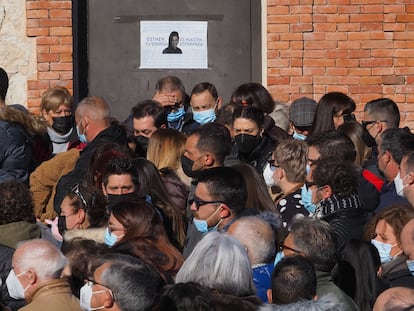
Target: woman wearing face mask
x=136, y=228
x=254, y=145
x=384, y=230
x=83, y=208
x=56, y=110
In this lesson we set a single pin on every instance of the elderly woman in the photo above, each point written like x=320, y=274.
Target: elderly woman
x=220, y=263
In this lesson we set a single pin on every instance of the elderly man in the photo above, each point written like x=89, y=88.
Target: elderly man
x=121, y=283
x=37, y=266
x=257, y=236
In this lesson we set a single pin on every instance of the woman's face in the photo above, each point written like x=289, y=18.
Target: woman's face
x=174, y=42
x=116, y=227
x=62, y=111
x=73, y=219
x=338, y=119
x=385, y=233
x=246, y=126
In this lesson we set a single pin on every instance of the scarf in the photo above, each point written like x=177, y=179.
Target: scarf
x=335, y=203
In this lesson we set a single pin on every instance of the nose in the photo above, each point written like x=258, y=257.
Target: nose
x=193, y=207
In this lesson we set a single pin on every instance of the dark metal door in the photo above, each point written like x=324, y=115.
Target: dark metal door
x=234, y=47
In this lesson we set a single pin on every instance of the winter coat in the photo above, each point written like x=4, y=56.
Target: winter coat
x=112, y=134
x=44, y=179
x=396, y=274
x=53, y=295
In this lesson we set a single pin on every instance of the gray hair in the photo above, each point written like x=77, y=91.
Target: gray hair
x=219, y=262
x=257, y=236
x=41, y=256
x=96, y=108
x=135, y=286
x=315, y=239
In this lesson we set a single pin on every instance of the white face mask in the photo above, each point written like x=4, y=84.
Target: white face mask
x=14, y=286
x=268, y=176
x=85, y=298
x=399, y=184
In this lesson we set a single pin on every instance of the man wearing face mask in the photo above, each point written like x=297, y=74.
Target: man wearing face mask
x=95, y=127
x=37, y=267
x=407, y=177
x=220, y=196
x=301, y=113
x=392, y=144
x=56, y=110
x=204, y=103
x=205, y=148
x=379, y=114
x=148, y=116
x=117, y=285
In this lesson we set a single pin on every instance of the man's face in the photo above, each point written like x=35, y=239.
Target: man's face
x=316, y=197
x=405, y=176
x=204, y=210
x=144, y=126
x=289, y=247
x=313, y=154
x=102, y=293
x=374, y=128
x=203, y=101
x=119, y=184
x=193, y=153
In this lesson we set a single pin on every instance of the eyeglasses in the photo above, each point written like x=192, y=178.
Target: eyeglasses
x=283, y=246
x=273, y=166
x=76, y=191
x=101, y=291
x=198, y=202
x=366, y=123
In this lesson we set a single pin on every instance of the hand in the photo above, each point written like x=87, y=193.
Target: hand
x=54, y=228
x=166, y=99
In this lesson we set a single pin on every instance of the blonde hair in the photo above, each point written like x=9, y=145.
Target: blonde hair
x=54, y=97
x=292, y=156
x=165, y=148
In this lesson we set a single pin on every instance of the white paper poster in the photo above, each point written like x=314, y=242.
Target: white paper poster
x=174, y=44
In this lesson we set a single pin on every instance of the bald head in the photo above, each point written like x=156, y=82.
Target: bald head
x=41, y=257
x=257, y=236
x=395, y=299
x=407, y=239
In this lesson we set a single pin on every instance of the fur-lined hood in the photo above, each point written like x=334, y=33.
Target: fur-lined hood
x=32, y=124
x=96, y=234
x=325, y=303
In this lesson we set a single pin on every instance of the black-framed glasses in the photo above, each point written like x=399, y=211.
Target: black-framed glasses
x=198, y=202
x=283, y=247
x=366, y=123
x=273, y=166
x=76, y=190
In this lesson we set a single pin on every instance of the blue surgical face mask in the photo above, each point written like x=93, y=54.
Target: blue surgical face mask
x=203, y=117
x=384, y=250
x=279, y=256
x=176, y=115
x=298, y=136
x=410, y=266
x=110, y=238
x=82, y=137
x=202, y=225
x=308, y=168
x=307, y=200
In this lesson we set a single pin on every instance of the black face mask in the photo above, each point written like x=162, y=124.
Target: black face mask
x=246, y=142
x=368, y=139
x=187, y=165
x=62, y=224
x=116, y=198
x=62, y=125
x=141, y=145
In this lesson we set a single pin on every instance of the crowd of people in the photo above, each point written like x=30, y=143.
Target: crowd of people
x=193, y=203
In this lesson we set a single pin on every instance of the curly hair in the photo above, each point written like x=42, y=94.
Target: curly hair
x=15, y=203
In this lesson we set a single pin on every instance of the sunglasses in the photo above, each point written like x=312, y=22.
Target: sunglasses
x=273, y=166
x=76, y=191
x=198, y=202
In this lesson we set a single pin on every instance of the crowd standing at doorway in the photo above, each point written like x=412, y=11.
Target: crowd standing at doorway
x=195, y=203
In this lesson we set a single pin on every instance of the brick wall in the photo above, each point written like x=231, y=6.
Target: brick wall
x=364, y=48
x=50, y=22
